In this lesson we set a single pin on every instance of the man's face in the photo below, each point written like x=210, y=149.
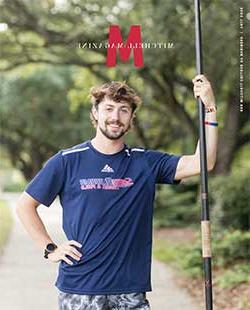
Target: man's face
x=113, y=118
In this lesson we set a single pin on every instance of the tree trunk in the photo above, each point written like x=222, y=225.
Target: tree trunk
x=228, y=136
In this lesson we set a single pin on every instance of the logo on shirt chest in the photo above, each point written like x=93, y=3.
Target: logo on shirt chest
x=105, y=183
x=108, y=169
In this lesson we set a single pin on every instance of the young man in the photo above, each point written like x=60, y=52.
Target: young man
x=106, y=190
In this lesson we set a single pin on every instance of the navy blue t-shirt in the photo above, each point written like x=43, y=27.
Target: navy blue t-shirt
x=107, y=203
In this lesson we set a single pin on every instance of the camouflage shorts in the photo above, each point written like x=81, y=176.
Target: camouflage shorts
x=103, y=302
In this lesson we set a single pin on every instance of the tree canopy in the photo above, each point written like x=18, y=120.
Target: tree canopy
x=49, y=32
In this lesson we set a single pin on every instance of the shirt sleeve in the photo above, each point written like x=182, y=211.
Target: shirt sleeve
x=163, y=166
x=48, y=183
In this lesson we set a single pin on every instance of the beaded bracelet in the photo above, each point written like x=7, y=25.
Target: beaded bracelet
x=211, y=109
x=215, y=124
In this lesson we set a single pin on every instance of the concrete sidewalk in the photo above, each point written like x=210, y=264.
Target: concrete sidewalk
x=27, y=279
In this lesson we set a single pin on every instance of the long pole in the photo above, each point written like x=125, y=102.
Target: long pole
x=205, y=222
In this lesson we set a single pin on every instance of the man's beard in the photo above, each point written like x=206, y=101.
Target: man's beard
x=113, y=135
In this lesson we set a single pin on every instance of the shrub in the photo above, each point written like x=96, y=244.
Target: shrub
x=230, y=246
x=238, y=274
x=231, y=200
x=176, y=205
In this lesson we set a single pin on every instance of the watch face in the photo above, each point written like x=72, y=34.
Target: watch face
x=50, y=247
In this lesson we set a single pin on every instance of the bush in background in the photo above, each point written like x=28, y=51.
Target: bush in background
x=230, y=247
x=176, y=205
x=231, y=200
x=230, y=250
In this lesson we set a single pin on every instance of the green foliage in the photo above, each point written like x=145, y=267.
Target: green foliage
x=238, y=274
x=37, y=119
x=79, y=93
x=241, y=161
x=5, y=224
x=50, y=32
x=191, y=262
x=170, y=255
x=229, y=201
x=15, y=187
x=176, y=205
x=228, y=248
x=231, y=197
x=185, y=257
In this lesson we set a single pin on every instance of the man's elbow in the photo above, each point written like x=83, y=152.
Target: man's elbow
x=211, y=166
x=19, y=206
x=24, y=203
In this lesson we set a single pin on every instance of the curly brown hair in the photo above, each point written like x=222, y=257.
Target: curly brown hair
x=116, y=91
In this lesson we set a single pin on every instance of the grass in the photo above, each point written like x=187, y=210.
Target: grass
x=231, y=278
x=187, y=258
x=239, y=273
x=168, y=252
x=5, y=224
x=182, y=256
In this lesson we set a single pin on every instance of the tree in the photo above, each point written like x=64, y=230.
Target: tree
x=36, y=117
x=49, y=33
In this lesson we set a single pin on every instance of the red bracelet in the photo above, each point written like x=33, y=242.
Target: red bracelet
x=215, y=124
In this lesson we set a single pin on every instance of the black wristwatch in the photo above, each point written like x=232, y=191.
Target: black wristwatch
x=50, y=247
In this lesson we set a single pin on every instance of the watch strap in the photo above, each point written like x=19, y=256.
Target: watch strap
x=50, y=248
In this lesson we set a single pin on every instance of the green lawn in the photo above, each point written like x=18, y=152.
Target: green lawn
x=5, y=224
x=231, y=268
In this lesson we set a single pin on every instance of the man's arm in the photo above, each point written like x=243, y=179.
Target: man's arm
x=26, y=210
x=189, y=165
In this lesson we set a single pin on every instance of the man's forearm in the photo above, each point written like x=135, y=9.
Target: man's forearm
x=27, y=212
x=189, y=165
x=33, y=224
x=211, y=140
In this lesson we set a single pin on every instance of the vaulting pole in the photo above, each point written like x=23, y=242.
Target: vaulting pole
x=205, y=222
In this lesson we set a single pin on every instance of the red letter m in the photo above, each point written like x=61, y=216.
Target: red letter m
x=133, y=42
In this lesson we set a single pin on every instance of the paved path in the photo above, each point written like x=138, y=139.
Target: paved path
x=27, y=279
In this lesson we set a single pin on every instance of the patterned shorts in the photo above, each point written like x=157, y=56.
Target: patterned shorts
x=103, y=302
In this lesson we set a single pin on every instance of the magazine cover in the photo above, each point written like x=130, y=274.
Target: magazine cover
x=125, y=154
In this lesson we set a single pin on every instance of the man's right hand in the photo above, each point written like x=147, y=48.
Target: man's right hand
x=63, y=251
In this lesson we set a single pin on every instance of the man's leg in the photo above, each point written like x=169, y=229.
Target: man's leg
x=136, y=301
x=68, y=301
